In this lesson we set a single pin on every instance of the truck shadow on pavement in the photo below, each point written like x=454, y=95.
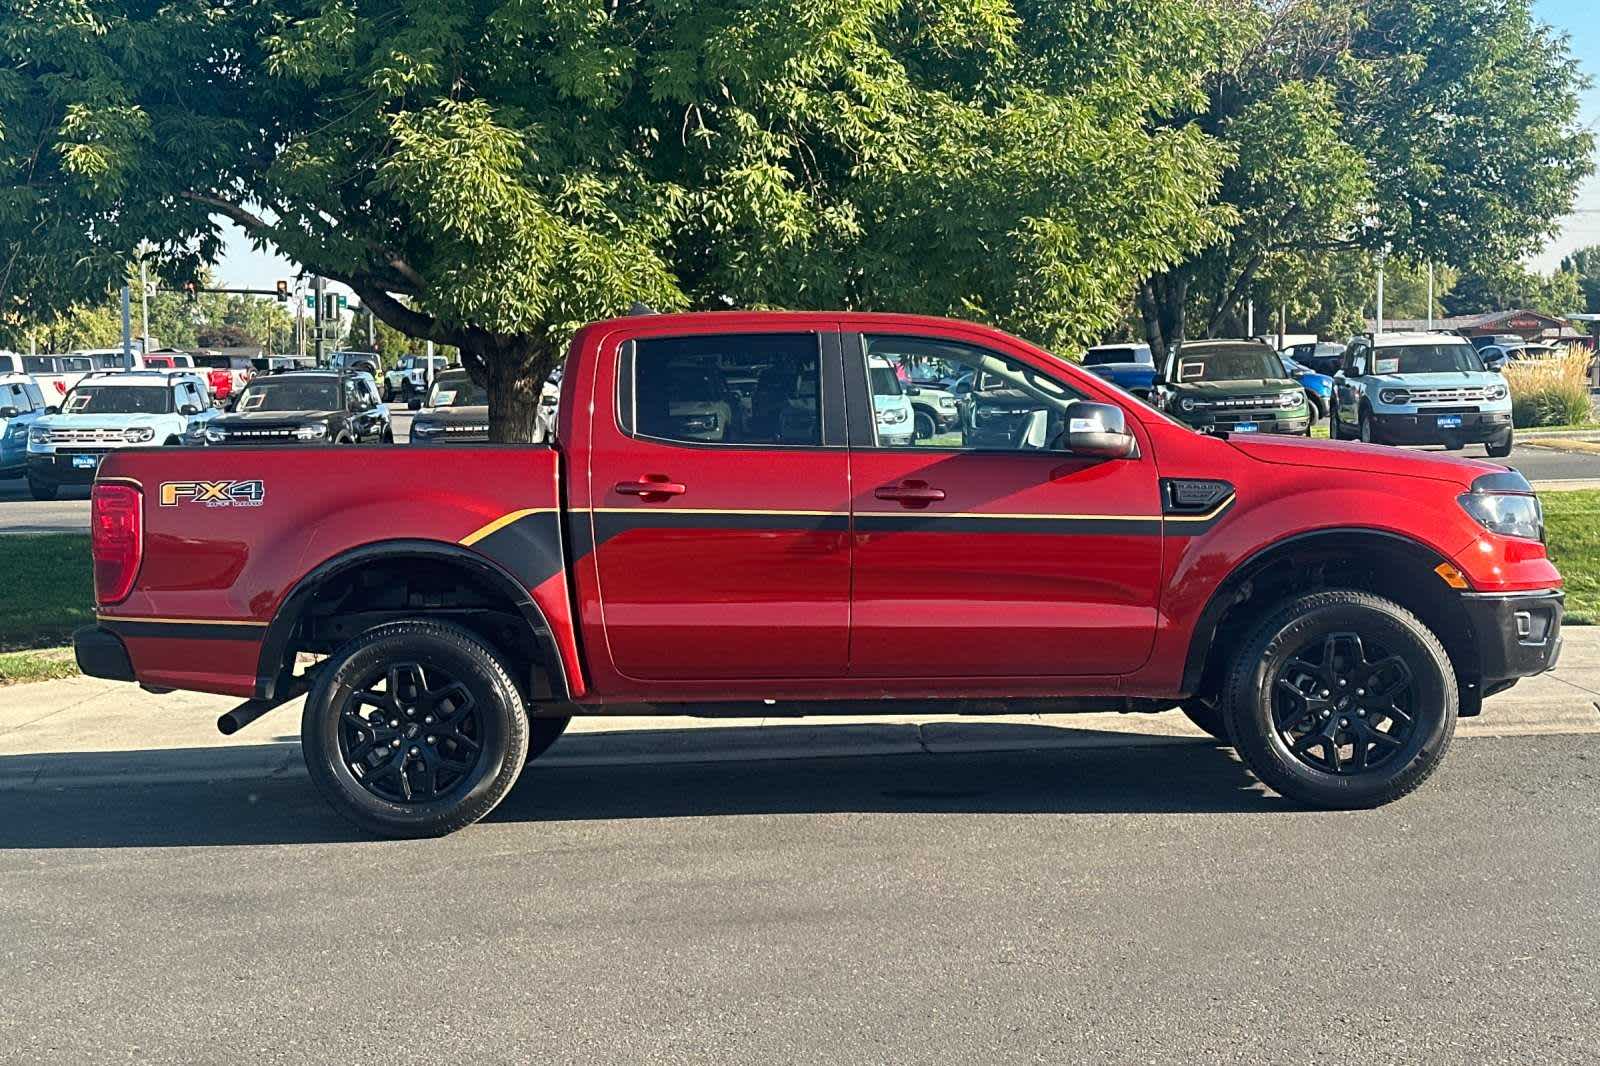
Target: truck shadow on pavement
x=99, y=801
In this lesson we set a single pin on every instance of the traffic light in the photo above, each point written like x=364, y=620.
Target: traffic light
x=330, y=304
x=283, y=291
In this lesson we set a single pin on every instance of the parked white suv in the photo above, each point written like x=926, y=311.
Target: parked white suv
x=410, y=376
x=1421, y=388
x=106, y=411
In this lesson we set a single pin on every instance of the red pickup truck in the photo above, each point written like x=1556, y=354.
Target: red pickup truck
x=723, y=524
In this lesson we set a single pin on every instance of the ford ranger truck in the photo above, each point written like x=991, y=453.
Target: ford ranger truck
x=1421, y=388
x=1096, y=554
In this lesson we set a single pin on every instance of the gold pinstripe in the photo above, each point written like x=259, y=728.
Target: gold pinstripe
x=178, y=621
x=502, y=522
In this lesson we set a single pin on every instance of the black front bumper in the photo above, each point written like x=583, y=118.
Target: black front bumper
x=60, y=468
x=1518, y=634
x=1273, y=424
x=101, y=653
x=1475, y=428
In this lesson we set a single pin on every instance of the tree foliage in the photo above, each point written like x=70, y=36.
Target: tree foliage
x=1427, y=130
x=490, y=173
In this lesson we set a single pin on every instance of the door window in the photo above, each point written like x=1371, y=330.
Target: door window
x=935, y=393
x=751, y=389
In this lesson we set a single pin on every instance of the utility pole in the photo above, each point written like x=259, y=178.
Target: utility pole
x=144, y=305
x=127, y=330
x=1380, y=299
x=1430, y=297
x=316, y=286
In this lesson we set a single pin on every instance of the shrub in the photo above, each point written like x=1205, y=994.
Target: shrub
x=1550, y=392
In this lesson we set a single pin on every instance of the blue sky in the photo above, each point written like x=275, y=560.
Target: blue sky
x=242, y=265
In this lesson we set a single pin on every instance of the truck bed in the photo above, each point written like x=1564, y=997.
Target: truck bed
x=230, y=532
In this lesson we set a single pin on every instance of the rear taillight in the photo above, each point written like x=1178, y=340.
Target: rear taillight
x=116, y=538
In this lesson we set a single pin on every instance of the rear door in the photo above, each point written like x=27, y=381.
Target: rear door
x=986, y=551
x=719, y=479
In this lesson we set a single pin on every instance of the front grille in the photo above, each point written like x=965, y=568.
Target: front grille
x=256, y=434
x=1244, y=403
x=67, y=436
x=1460, y=394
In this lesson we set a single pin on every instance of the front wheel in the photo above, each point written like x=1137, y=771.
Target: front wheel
x=1499, y=450
x=924, y=425
x=414, y=729
x=1366, y=432
x=1342, y=699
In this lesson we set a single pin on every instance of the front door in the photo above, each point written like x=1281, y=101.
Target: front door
x=983, y=550
x=720, y=518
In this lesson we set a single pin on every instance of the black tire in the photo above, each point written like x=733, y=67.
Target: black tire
x=1391, y=646
x=1500, y=451
x=1364, y=431
x=435, y=677
x=1206, y=715
x=1334, y=430
x=407, y=390
x=543, y=733
x=43, y=491
x=924, y=424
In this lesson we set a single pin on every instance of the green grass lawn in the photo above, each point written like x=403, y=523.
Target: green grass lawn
x=46, y=590
x=1572, y=526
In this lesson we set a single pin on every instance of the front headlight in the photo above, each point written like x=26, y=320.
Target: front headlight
x=316, y=432
x=426, y=429
x=38, y=437
x=1187, y=403
x=1394, y=396
x=1498, y=392
x=1292, y=398
x=948, y=403
x=891, y=418
x=214, y=435
x=139, y=435
x=1507, y=515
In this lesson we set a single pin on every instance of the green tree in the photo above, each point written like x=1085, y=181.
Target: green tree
x=1429, y=130
x=1584, y=265
x=488, y=174
x=1516, y=288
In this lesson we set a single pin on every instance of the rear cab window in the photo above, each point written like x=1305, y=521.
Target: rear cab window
x=761, y=389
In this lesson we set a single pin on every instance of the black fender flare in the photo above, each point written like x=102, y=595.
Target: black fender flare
x=1225, y=595
x=270, y=669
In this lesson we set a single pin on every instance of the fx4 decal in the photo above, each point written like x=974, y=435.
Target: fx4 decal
x=213, y=493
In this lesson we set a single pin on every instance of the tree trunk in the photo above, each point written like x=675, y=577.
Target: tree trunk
x=513, y=369
x=1161, y=305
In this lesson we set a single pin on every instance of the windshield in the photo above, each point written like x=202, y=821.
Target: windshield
x=1426, y=359
x=313, y=395
x=885, y=382
x=457, y=390
x=118, y=400
x=1103, y=356
x=8, y=365
x=1244, y=363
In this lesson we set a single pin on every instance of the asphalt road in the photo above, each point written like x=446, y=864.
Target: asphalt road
x=19, y=513
x=1141, y=904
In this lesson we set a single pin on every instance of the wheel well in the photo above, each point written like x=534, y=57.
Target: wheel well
x=347, y=596
x=1381, y=563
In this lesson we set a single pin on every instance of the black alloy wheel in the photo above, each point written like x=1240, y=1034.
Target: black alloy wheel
x=924, y=425
x=1341, y=699
x=1343, y=705
x=411, y=733
x=414, y=729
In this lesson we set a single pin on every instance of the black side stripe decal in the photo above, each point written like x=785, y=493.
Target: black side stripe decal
x=186, y=630
x=1075, y=525
x=529, y=548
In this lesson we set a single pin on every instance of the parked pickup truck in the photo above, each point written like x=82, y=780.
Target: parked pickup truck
x=1098, y=554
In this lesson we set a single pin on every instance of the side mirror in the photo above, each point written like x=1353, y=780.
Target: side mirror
x=1495, y=362
x=52, y=410
x=189, y=410
x=912, y=390
x=10, y=412
x=1099, y=430
x=414, y=404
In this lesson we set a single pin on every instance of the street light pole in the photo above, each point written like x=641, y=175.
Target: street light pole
x=1430, y=297
x=316, y=318
x=127, y=331
x=144, y=305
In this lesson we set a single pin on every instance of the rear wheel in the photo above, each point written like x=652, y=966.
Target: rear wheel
x=1342, y=699
x=414, y=729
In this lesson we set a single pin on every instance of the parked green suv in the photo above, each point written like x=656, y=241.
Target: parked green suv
x=1232, y=387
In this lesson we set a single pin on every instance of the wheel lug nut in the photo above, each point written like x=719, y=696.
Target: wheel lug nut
x=428, y=719
x=394, y=723
x=1361, y=713
x=1342, y=721
x=1343, y=682
x=1361, y=692
x=433, y=740
x=413, y=751
x=395, y=743
x=1325, y=714
x=1324, y=693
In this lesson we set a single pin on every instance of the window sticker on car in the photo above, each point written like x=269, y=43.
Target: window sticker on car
x=250, y=403
x=444, y=397
x=1386, y=366
x=1191, y=371
x=77, y=403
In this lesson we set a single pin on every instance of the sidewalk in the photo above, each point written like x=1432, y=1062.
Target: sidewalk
x=81, y=731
